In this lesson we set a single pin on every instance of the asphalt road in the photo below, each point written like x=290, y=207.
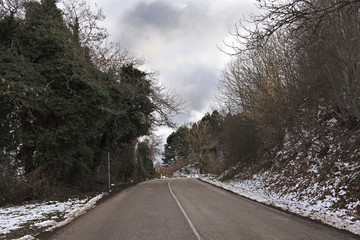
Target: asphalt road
x=190, y=209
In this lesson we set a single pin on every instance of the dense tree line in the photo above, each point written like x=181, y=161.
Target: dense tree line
x=215, y=143
x=298, y=57
x=66, y=99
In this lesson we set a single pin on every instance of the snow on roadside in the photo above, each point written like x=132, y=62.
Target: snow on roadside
x=45, y=214
x=74, y=213
x=189, y=171
x=27, y=237
x=320, y=210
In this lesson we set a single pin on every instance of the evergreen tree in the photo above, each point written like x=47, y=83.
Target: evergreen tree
x=144, y=161
x=176, y=148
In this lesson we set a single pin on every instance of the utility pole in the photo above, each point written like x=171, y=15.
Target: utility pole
x=109, y=171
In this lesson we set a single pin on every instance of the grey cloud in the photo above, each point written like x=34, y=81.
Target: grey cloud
x=179, y=39
x=158, y=14
x=197, y=86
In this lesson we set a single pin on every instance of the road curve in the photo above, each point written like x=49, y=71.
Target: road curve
x=190, y=209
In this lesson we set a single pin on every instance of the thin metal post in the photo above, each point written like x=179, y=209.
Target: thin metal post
x=109, y=171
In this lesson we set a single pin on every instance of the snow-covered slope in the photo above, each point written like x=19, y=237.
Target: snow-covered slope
x=316, y=173
x=317, y=209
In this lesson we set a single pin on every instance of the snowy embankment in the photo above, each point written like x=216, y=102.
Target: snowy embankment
x=320, y=210
x=315, y=174
x=189, y=171
x=46, y=215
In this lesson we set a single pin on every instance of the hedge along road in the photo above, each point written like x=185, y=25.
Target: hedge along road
x=190, y=209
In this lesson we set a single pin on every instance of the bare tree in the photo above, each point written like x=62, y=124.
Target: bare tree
x=14, y=7
x=292, y=16
x=81, y=19
x=257, y=84
x=329, y=62
x=167, y=104
x=300, y=52
x=201, y=142
x=154, y=143
x=111, y=57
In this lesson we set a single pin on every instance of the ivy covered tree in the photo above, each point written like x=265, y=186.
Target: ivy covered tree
x=61, y=111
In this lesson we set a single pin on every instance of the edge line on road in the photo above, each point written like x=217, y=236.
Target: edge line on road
x=183, y=211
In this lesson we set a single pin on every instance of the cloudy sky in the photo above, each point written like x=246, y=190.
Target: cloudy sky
x=180, y=40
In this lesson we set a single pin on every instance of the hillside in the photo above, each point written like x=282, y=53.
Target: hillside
x=315, y=173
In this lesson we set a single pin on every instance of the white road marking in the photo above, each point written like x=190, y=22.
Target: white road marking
x=183, y=211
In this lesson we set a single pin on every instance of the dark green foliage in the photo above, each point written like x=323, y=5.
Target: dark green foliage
x=144, y=162
x=59, y=114
x=176, y=147
x=123, y=162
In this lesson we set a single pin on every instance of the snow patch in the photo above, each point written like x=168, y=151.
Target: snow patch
x=189, y=171
x=320, y=210
x=44, y=214
x=77, y=212
x=27, y=237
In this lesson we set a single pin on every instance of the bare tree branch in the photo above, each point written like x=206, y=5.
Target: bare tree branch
x=292, y=16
